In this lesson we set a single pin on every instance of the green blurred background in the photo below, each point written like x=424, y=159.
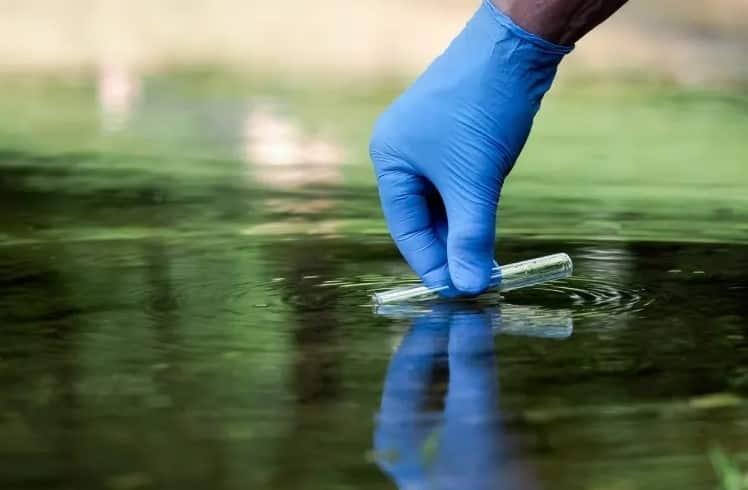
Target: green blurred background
x=643, y=136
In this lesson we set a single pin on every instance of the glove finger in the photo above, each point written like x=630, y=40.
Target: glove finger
x=438, y=213
x=405, y=202
x=470, y=242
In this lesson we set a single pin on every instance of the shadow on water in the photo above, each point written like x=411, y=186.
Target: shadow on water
x=316, y=360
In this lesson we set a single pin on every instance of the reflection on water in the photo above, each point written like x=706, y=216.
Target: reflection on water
x=440, y=425
x=233, y=363
x=504, y=319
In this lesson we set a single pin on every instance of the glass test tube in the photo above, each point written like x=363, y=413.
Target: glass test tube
x=507, y=278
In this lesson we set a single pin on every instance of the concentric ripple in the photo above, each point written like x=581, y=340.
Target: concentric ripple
x=583, y=296
x=586, y=297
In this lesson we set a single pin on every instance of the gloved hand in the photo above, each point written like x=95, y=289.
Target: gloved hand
x=441, y=152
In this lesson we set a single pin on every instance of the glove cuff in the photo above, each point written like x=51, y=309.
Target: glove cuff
x=506, y=22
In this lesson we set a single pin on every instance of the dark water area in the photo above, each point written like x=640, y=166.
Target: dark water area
x=236, y=363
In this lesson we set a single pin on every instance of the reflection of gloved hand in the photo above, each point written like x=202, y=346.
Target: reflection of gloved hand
x=463, y=446
x=442, y=151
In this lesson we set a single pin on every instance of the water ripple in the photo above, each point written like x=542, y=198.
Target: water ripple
x=584, y=296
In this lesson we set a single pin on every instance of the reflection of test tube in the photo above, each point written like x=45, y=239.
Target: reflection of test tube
x=533, y=321
x=506, y=319
x=507, y=278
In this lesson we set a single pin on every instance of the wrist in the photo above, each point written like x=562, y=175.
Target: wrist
x=559, y=21
x=548, y=20
x=543, y=44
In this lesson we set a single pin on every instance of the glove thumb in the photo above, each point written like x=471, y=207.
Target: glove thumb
x=470, y=244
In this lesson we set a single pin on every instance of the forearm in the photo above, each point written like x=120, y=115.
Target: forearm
x=560, y=21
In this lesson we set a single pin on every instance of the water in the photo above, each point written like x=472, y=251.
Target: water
x=231, y=364
x=174, y=320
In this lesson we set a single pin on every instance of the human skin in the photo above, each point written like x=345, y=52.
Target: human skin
x=559, y=21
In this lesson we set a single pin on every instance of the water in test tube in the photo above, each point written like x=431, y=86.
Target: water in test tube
x=507, y=278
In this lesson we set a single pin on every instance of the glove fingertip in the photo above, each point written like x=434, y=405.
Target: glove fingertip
x=437, y=278
x=472, y=279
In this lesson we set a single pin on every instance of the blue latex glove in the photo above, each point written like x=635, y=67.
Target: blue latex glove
x=464, y=446
x=441, y=152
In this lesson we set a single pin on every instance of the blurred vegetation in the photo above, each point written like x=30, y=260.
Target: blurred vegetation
x=731, y=477
x=606, y=160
